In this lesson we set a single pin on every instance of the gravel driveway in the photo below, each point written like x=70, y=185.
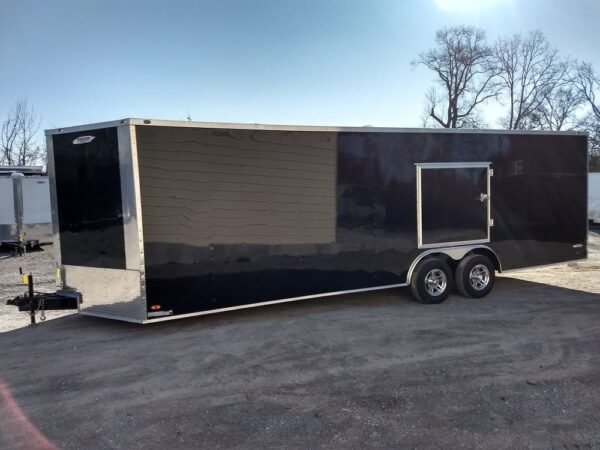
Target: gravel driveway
x=518, y=369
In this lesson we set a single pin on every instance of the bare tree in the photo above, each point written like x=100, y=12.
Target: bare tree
x=562, y=109
x=588, y=84
x=559, y=110
x=464, y=66
x=530, y=72
x=18, y=144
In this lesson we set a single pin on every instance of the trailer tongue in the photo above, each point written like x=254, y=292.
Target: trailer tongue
x=35, y=302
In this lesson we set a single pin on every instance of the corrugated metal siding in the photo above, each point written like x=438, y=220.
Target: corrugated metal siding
x=202, y=186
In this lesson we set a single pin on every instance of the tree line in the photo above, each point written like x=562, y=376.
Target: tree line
x=19, y=145
x=536, y=87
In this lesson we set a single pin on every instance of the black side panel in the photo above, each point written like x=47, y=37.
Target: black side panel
x=233, y=217
x=88, y=190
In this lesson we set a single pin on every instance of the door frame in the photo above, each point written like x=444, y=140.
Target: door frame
x=452, y=165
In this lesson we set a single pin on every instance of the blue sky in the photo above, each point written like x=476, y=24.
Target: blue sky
x=323, y=62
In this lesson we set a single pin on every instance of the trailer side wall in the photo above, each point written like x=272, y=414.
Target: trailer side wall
x=234, y=217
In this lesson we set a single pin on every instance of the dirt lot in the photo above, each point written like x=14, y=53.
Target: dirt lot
x=519, y=369
x=41, y=264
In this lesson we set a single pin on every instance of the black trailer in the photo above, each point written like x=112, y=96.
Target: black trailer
x=156, y=220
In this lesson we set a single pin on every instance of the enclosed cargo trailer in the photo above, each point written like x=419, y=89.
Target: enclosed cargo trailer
x=25, y=217
x=594, y=198
x=156, y=220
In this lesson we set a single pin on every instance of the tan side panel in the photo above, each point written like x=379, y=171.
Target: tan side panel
x=204, y=186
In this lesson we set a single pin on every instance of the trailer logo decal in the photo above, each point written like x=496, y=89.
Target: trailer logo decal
x=83, y=140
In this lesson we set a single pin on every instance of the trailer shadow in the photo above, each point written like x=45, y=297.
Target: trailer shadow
x=507, y=291
x=314, y=370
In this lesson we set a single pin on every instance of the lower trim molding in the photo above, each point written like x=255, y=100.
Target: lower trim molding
x=273, y=302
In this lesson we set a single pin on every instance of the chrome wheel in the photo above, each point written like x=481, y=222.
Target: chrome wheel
x=479, y=277
x=435, y=282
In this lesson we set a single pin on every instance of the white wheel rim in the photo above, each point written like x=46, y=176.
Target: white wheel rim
x=479, y=277
x=435, y=282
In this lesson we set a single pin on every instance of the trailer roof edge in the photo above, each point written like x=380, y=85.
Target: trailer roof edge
x=271, y=127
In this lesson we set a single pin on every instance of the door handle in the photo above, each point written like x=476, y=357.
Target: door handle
x=483, y=198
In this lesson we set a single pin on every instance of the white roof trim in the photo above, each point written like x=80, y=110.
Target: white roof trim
x=256, y=126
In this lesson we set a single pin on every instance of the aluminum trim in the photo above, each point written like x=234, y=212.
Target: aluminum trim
x=128, y=201
x=113, y=293
x=138, y=211
x=455, y=253
x=86, y=127
x=587, y=194
x=54, y=205
x=419, y=210
x=451, y=165
x=455, y=244
x=271, y=127
x=274, y=302
x=108, y=316
x=490, y=222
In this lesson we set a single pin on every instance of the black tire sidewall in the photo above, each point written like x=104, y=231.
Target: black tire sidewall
x=464, y=269
x=417, y=283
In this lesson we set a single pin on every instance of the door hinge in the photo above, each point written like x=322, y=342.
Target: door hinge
x=491, y=222
x=491, y=172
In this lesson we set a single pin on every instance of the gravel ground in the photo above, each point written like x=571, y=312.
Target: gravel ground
x=518, y=369
x=581, y=275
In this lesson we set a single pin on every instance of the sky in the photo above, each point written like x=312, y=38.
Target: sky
x=307, y=62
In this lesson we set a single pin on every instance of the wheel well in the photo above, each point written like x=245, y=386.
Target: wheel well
x=490, y=254
x=452, y=257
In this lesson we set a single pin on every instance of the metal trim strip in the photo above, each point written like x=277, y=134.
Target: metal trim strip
x=451, y=165
x=108, y=316
x=54, y=211
x=138, y=210
x=274, y=302
x=270, y=127
x=455, y=244
x=86, y=127
x=130, y=227
x=419, y=209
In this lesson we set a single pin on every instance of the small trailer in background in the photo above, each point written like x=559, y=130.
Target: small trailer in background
x=25, y=216
x=156, y=220
x=594, y=199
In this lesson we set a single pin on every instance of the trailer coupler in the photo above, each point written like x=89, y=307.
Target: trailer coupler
x=49, y=301
x=41, y=301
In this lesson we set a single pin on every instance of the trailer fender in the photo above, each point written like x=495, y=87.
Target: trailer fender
x=456, y=253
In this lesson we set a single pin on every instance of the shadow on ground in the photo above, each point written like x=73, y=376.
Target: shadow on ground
x=517, y=369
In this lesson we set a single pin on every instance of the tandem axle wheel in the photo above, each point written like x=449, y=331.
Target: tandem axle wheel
x=432, y=280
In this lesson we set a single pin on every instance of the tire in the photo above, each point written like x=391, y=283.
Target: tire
x=483, y=272
x=432, y=281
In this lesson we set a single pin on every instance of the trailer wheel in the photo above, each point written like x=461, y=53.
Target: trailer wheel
x=432, y=281
x=475, y=276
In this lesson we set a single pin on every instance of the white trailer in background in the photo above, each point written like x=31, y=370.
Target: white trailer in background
x=594, y=198
x=25, y=214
